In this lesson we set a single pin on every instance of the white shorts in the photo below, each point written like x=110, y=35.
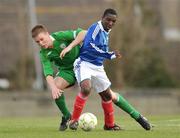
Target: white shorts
x=85, y=70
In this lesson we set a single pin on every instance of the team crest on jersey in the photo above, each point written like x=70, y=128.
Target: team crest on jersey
x=62, y=46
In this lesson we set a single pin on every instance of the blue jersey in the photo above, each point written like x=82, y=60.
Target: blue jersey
x=95, y=46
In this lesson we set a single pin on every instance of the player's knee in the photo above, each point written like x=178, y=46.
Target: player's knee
x=86, y=91
x=86, y=87
x=106, y=96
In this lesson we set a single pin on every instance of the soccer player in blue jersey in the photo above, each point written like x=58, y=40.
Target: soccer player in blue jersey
x=90, y=73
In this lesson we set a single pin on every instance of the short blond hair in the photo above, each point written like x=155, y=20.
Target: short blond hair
x=37, y=30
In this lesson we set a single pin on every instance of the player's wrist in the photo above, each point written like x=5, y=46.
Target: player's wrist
x=113, y=56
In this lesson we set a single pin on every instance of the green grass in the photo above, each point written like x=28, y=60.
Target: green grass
x=46, y=127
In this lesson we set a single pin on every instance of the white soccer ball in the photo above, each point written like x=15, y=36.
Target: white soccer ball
x=87, y=121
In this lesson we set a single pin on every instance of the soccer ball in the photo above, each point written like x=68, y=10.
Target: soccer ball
x=87, y=121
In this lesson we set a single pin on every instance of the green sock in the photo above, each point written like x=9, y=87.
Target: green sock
x=62, y=106
x=125, y=106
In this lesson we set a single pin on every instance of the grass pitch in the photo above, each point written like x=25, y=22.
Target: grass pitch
x=47, y=127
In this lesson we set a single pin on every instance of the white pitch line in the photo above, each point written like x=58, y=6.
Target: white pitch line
x=171, y=120
x=167, y=123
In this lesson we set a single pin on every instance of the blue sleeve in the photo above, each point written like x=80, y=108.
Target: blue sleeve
x=93, y=41
x=97, y=51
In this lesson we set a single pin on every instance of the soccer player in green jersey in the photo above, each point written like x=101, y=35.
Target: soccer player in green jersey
x=51, y=46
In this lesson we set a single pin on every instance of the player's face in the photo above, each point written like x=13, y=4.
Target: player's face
x=43, y=40
x=108, y=21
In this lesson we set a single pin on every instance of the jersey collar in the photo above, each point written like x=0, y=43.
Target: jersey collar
x=52, y=38
x=102, y=28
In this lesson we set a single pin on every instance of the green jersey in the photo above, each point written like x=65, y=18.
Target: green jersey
x=51, y=55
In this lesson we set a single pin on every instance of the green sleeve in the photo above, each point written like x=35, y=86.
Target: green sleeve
x=66, y=35
x=46, y=63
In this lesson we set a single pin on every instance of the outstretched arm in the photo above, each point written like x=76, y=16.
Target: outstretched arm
x=56, y=93
x=48, y=72
x=80, y=37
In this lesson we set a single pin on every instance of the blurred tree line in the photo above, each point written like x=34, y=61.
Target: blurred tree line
x=137, y=35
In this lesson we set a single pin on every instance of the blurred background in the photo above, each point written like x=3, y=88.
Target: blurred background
x=147, y=33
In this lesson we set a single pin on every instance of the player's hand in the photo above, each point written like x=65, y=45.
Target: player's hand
x=56, y=93
x=64, y=51
x=117, y=53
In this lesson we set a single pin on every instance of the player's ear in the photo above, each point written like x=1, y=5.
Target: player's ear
x=47, y=33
